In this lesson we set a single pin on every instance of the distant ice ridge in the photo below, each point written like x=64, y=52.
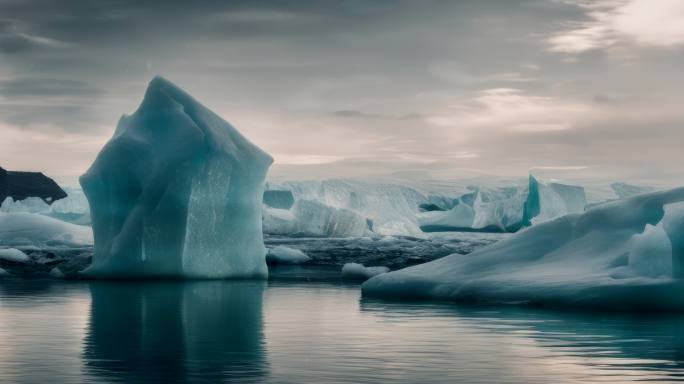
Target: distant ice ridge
x=506, y=209
x=353, y=208
x=345, y=208
x=73, y=208
x=176, y=192
x=626, y=255
x=285, y=255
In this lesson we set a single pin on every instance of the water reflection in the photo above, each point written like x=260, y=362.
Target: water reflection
x=171, y=332
x=579, y=345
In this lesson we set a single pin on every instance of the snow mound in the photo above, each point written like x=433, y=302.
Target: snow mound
x=354, y=271
x=614, y=256
x=176, y=192
x=27, y=229
x=286, y=255
x=14, y=255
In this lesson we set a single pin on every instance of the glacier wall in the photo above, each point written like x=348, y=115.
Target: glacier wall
x=354, y=208
x=176, y=192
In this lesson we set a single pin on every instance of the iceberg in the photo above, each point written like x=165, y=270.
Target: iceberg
x=548, y=200
x=13, y=255
x=285, y=255
x=622, y=255
x=355, y=271
x=363, y=206
x=506, y=209
x=176, y=192
x=312, y=218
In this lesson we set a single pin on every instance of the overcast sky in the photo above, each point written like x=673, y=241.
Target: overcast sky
x=353, y=86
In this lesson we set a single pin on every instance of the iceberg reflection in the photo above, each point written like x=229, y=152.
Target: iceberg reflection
x=170, y=332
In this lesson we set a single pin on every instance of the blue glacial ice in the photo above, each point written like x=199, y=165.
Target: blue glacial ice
x=356, y=271
x=176, y=192
x=508, y=208
x=623, y=255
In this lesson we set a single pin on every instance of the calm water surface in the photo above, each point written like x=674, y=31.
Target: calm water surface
x=61, y=332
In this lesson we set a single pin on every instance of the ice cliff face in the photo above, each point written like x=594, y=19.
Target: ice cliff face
x=176, y=192
x=346, y=208
x=626, y=255
x=506, y=209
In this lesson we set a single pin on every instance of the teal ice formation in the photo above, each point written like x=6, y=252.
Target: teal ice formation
x=176, y=192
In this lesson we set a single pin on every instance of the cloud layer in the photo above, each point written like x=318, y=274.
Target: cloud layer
x=360, y=87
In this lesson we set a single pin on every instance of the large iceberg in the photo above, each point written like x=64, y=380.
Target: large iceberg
x=176, y=192
x=625, y=255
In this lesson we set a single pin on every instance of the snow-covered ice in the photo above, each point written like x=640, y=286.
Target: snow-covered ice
x=56, y=273
x=13, y=255
x=285, y=255
x=355, y=271
x=312, y=218
x=383, y=208
x=29, y=229
x=613, y=256
x=176, y=192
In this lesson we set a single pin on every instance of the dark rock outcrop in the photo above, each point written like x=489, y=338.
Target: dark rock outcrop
x=21, y=185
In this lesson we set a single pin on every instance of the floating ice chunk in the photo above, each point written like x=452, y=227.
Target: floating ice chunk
x=607, y=257
x=354, y=271
x=56, y=273
x=14, y=255
x=286, y=255
x=176, y=192
x=27, y=229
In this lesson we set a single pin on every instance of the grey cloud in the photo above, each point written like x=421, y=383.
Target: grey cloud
x=297, y=78
x=47, y=87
